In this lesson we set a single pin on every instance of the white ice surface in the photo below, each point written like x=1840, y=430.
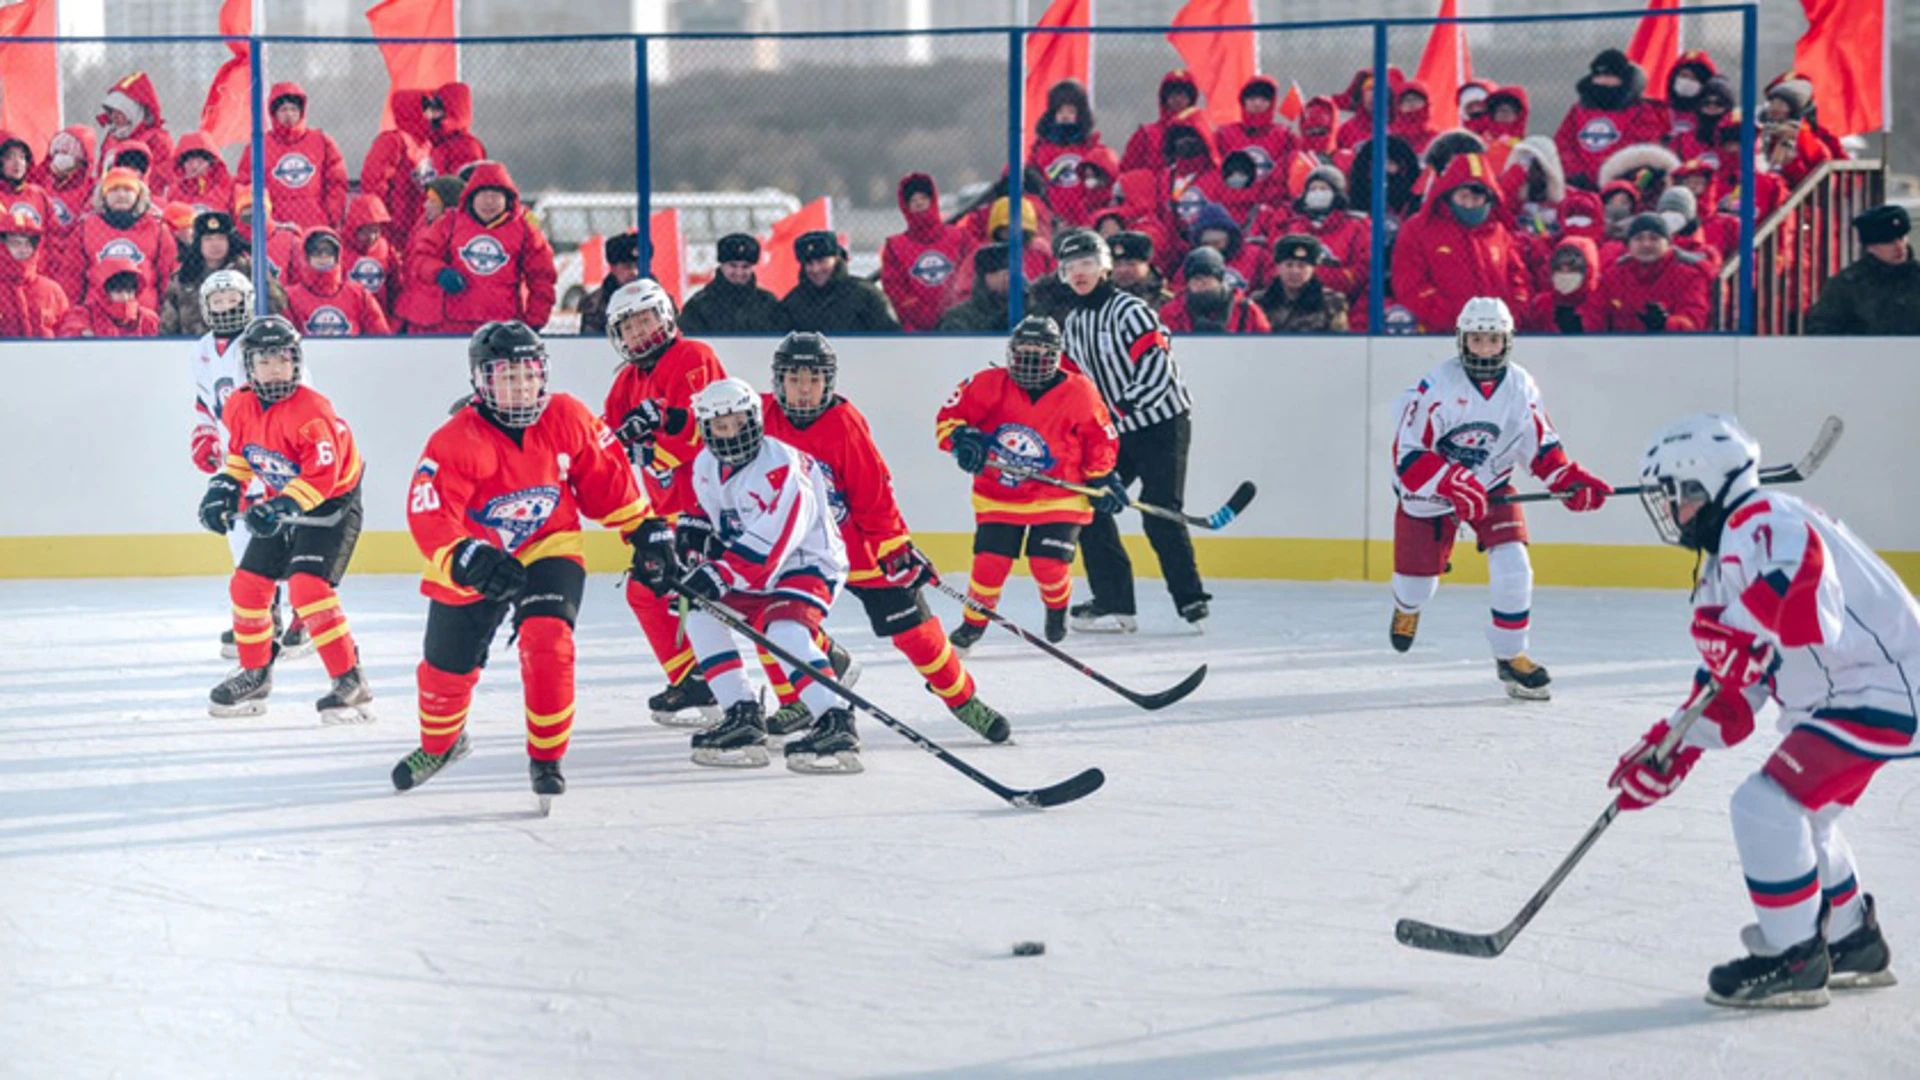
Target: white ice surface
x=188, y=897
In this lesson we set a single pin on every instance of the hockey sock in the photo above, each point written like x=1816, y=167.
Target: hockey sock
x=927, y=648
x=316, y=604
x=1410, y=594
x=444, y=701
x=783, y=690
x=1510, y=591
x=252, y=618
x=719, y=659
x=1838, y=882
x=546, y=670
x=662, y=627
x=1777, y=855
x=798, y=640
x=1055, y=579
x=988, y=577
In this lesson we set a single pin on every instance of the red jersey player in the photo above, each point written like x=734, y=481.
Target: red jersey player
x=286, y=435
x=649, y=407
x=886, y=570
x=495, y=507
x=1037, y=417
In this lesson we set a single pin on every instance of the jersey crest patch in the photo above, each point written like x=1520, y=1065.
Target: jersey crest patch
x=1470, y=444
x=328, y=321
x=517, y=515
x=1597, y=134
x=932, y=267
x=64, y=213
x=294, y=170
x=26, y=210
x=1020, y=446
x=275, y=470
x=836, y=499
x=483, y=254
x=368, y=272
x=1064, y=171
x=1262, y=162
x=121, y=248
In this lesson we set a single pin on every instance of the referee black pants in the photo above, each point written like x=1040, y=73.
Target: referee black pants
x=1156, y=456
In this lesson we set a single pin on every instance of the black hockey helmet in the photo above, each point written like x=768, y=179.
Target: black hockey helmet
x=804, y=350
x=1033, y=352
x=264, y=337
x=497, y=345
x=1082, y=244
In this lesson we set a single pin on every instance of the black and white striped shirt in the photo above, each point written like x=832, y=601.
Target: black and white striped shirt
x=1117, y=339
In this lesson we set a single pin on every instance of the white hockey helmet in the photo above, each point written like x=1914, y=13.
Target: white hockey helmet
x=730, y=397
x=636, y=296
x=1486, y=315
x=229, y=315
x=1707, y=462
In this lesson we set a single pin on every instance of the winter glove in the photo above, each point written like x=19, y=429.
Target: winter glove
x=969, y=449
x=704, y=581
x=1654, y=318
x=206, y=448
x=1642, y=781
x=654, y=564
x=451, y=281
x=266, y=518
x=492, y=572
x=1589, y=491
x=645, y=419
x=1567, y=320
x=220, y=504
x=1464, y=490
x=907, y=567
x=1113, y=494
x=1735, y=658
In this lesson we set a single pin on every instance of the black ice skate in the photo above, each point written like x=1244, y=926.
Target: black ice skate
x=229, y=648
x=418, y=767
x=687, y=703
x=1794, y=979
x=244, y=693
x=831, y=747
x=349, y=701
x=789, y=719
x=1401, y=631
x=1523, y=678
x=738, y=742
x=1091, y=618
x=1196, y=612
x=1056, y=625
x=846, y=670
x=984, y=719
x=547, y=782
x=965, y=636
x=296, y=642
x=1859, y=961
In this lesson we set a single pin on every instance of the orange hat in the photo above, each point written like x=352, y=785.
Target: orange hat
x=178, y=215
x=122, y=178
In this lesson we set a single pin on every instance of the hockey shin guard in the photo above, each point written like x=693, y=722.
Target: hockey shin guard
x=546, y=670
x=988, y=577
x=1510, y=591
x=798, y=640
x=1777, y=855
x=252, y=618
x=719, y=659
x=317, y=605
x=927, y=648
x=1838, y=882
x=1055, y=579
x=1411, y=593
x=662, y=627
x=445, y=699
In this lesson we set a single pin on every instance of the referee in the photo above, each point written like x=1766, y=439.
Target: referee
x=1117, y=340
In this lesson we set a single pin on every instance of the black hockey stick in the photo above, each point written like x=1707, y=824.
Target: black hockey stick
x=1421, y=935
x=1809, y=463
x=1148, y=702
x=1066, y=791
x=1219, y=519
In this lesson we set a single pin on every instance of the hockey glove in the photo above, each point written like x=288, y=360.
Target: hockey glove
x=654, y=564
x=1654, y=318
x=645, y=419
x=206, y=448
x=220, y=504
x=704, y=581
x=1567, y=320
x=1735, y=658
x=695, y=541
x=907, y=567
x=267, y=518
x=1589, y=491
x=969, y=449
x=488, y=570
x=1642, y=781
x=1113, y=494
x=451, y=281
x=1464, y=490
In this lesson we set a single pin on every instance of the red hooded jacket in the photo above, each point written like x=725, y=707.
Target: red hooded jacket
x=31, y=304
x=1440, y=264
x=506, y=264
x=375, y=268
x=1417, y=126
x=1146, y=148
x=1188, y=184
x=1675, y=281
x=1540, y=318
x=26, y=196
x=919, y=267
x=213, y=190
x=140, y=238
x=454, y=145
x=1263, y=136
x=392, y=169
x=1346, y=236
x=1588, y=136
x=136, y=89
x=306, y=176
x=323, y=303
x=1359, y=126
x=1492, y=130
x=99, y=317
x=1081, y=204
x=71, y=195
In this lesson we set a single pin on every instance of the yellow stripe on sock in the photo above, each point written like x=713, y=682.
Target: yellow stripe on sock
x=317, y=607
x=946, y=654
x=548, y=742
x=253, y=639
x=549, y=721
x=331, y=634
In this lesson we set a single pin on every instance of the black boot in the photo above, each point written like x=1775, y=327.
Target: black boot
x=1794, y=979
x=1523, y=678
x=737, y=742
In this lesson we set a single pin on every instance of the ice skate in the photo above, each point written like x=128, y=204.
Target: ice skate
x=244, y=693
x=1056, y=628
x=296, y=642
x=1090, y=618
x=547, y=783
x=1859, y=961
x=789, y=719
x=1401, y=631
x=1794, y=979
x=738, y=742
x=229, y=649
x=965, y=636
x=349, y=701
x=984, y=719
x=1196, y=613
x=687, y=703
x=831, y=747
x=1523, y=678
x=419, y=767
x=846, y=670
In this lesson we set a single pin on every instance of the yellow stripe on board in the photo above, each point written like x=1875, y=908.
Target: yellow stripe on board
x=1251, y=557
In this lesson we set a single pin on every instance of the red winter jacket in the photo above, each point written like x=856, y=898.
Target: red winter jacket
x=375, y=268
x=212, y=190
x=306, y=176
x=1491, y=130
x=139, y=237
x=1243, y=316
x=99, y=318
x=151, y=133
x=1417, y=126
x=1146, y=148
x=1359, y=127
x=1264, y=136
x=31, y=304
x=506, y=265
x=918, y=267
x=71, y=194
x=1081, y=204
x=323, y=303
x=1440, y=264
x=454, y=146
x=1588, y=136
x=1540, y=318
x=1186, y=185
x=394, y=163
x=26, y=196
x=1675, y=282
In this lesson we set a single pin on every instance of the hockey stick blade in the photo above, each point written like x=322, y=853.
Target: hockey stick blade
x=1241, y=498
x=1164, y=698
x=1433, y=938
x=1823, y=444
x=1066, y=791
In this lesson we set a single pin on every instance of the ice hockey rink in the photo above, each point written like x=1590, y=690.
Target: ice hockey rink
x=195, y=897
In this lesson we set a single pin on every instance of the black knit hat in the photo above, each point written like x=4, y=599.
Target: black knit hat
x=1131, y=245
x=738, y=247
x=1883, y=224
x=1611, y=62
x=1296, y=247
x=1643, y=223
x=989, y=259
x=624, y=249
x=1205, y=262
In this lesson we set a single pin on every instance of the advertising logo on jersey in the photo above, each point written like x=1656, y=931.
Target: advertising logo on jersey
x=932, y=267
x=1470, y=444
x=294, y=170
x=329, y=321
x=1020, y=446
x=121, y=248
x=1598, y=134
x=483, y=254
x=836, y=500
x=517, y=515
x=275, y=470
x=1064, y=171
x=368, y=273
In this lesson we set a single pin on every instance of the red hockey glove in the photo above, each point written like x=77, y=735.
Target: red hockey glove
x=206, y=448
x=1736, y=658
x=1640, y=780
x=1460, y=487
x=1589, y=491
x=907, y=567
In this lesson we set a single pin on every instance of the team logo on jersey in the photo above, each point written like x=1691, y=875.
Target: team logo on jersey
x=275, y=470
x=517, y=515
x=483, y=254
x=329, y=321
x=1398, y=320
x=62, y=212
x=932, y=267
x=25, y=209
x=294, y=170
x=1020, y=446
x=1064, y=171
x=223, y=389
x=369, y=273
x=121, y=248
x=836, y=500
x=1262, y=164
x=1597, y=134
x=1470, y=444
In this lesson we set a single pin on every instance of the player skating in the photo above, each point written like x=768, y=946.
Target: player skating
x=495, y=507
x=1461, y=433
x=886, y=571
x=1790, y=605
x=1030, y=416
x=304, y=528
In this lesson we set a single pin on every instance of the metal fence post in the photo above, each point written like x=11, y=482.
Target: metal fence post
x=257, y=105
x=643, y=157
x=1749, y=102
x=1377, y=278
x=1016, y=195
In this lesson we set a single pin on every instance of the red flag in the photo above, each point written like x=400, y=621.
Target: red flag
x=1844, y=54
x=1222, y=60
x=416, y=66
x=226, y=118
x=30, y=72
x=1053, y=57
x=779, y=270
x=1445, y=67
x=1294, y=105
x=1656, y=45
x=663, y=231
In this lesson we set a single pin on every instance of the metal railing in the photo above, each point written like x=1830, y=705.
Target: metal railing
x=1800, y=245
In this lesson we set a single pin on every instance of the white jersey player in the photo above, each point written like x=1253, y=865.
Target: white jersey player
x=1461, y=433
x=1792, y=606
x=766, y=546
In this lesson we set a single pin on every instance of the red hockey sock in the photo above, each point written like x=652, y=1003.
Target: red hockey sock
x=1055, y=579
x=777, y=678
x=662, y=627
x=315, y=602
x=988, y=577
x=926, y=646
x=546, y=670
x=444, y=701
x=252, y=618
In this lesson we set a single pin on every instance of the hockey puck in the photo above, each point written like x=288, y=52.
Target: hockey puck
x=1029, y=948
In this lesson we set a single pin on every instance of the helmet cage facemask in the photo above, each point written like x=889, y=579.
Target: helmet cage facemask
x=1032, y=365
x=228, y=322
x=652, y=345
x=742, y=446
x=802, y=415
x=271, y=392
x=518, y=416
x=1484, y=368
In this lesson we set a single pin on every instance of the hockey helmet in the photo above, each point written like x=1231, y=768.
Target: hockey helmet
x=1696, y=470
x=229, y=314
x=1077, y=244
x=494, y=349
x=637, y=296
x=730, y=397
x=804, y=350
x=1488, y=315
x=1033, y=352
x=269, y=336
